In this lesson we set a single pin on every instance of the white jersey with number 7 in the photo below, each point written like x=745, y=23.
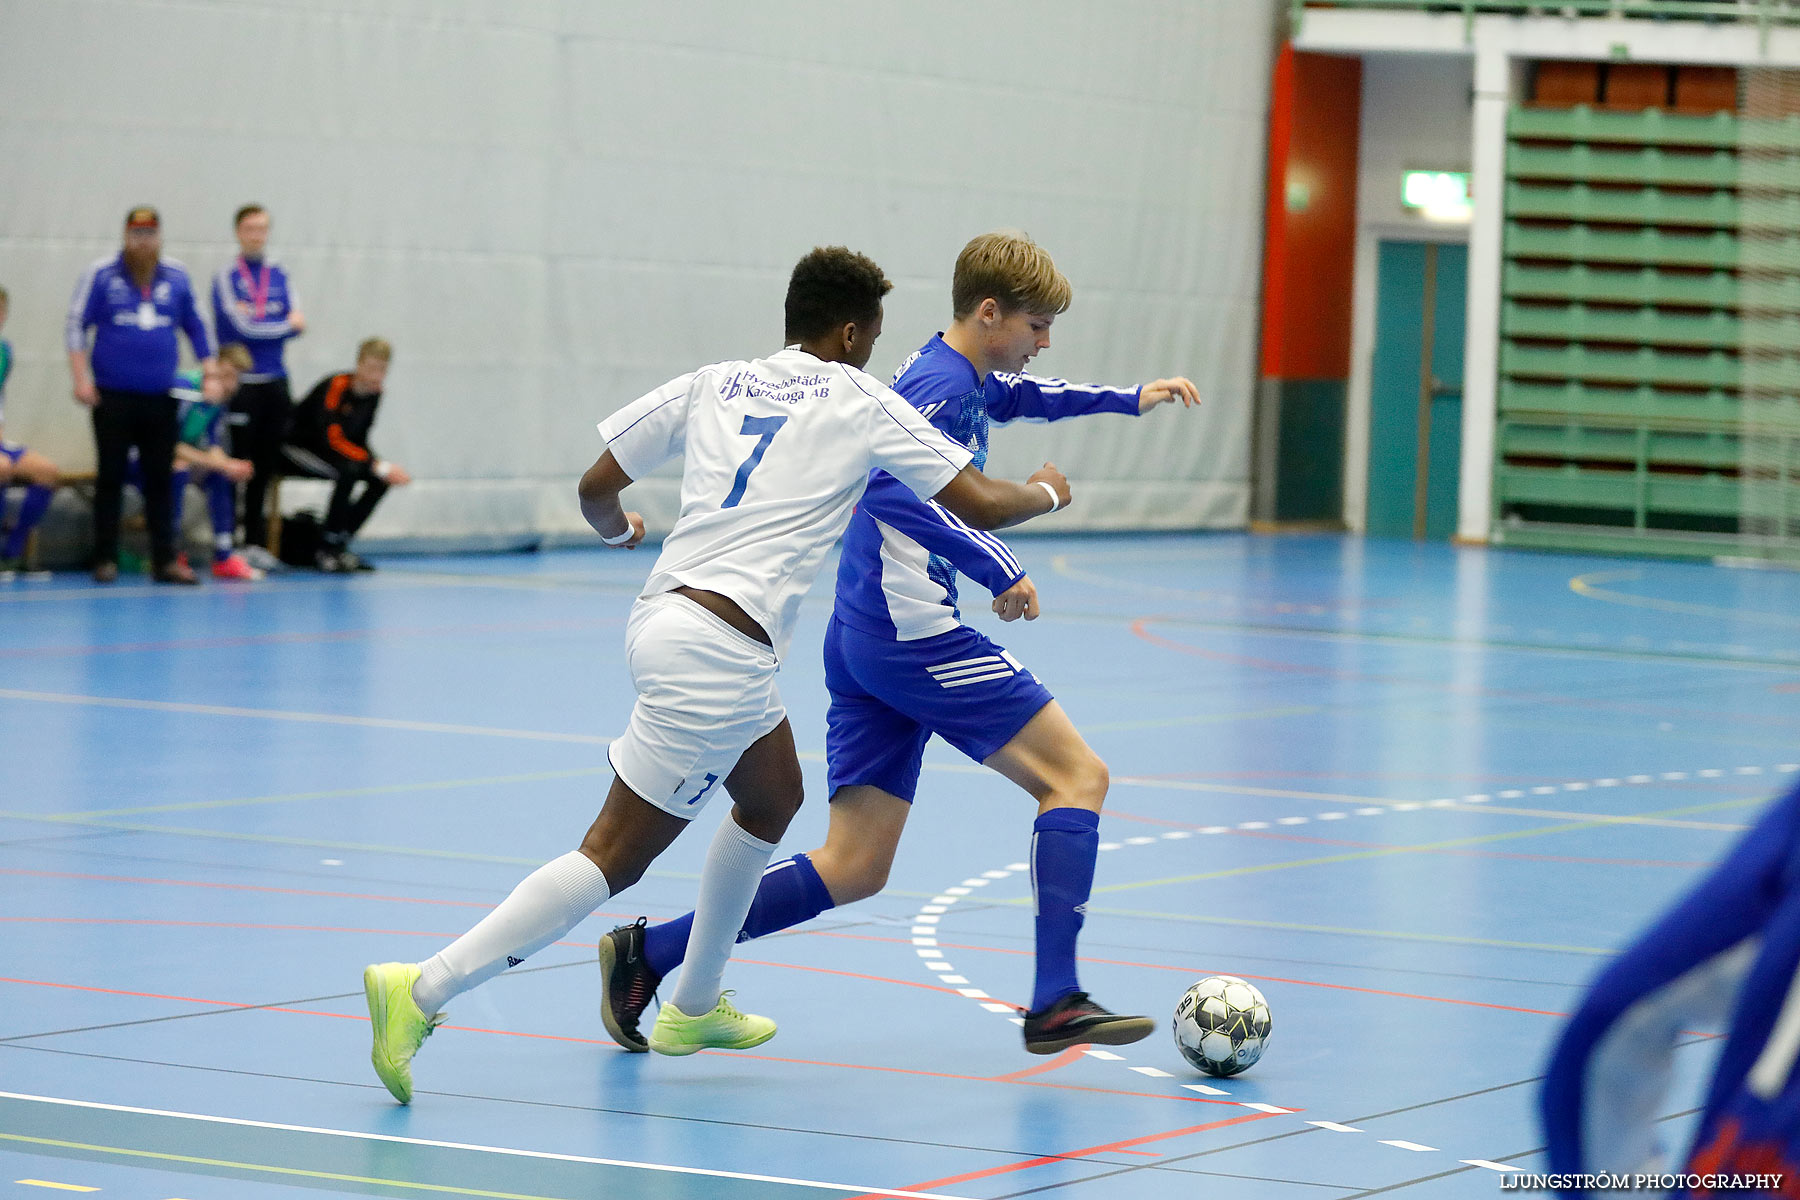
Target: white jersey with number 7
x=778, y=451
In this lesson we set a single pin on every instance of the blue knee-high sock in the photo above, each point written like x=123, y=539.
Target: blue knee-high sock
x=1064, y=844
x=221, y=502
x=790, y=892
x=31, y=511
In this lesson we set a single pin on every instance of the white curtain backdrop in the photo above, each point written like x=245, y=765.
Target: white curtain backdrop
x=550, y=208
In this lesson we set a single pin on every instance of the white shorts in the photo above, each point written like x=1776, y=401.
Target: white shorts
x=705, y=693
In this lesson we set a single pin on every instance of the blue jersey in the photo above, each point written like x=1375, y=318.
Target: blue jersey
x=134, y=328
x=1729, y=949
x=252, y=303
x=897, y=576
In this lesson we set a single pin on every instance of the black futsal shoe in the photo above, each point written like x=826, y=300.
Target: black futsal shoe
x=628, y=983
x=1075, y=1020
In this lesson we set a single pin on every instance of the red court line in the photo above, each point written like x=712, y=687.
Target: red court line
x=1111, y=1147
x=1061, y=1087
x=1072, y=1054
x=78, y=987
x=1119, y=962
x=608, y=1044
x=753, y=962
x=1140, y=628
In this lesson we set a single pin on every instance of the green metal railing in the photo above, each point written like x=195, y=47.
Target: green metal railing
x=1649, y=391
x=1761, y=14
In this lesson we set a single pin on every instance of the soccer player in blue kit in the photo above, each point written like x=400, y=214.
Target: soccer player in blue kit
x=900, y=666
x=775, y=453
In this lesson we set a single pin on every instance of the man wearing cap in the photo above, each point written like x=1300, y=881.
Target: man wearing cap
x=134, y=302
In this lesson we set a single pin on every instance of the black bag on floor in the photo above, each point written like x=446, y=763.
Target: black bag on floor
x=301, y=538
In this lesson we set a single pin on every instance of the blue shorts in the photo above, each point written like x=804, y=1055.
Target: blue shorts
x=889, y=697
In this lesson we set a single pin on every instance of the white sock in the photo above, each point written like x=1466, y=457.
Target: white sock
x=734, y=865
x=547, y=904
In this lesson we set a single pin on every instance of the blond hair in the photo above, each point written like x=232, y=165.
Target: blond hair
x=375, y=348
x=1014, y=270
x=237, y=354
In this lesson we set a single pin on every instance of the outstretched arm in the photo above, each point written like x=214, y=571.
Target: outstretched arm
x=997, y=503
x=599, y=491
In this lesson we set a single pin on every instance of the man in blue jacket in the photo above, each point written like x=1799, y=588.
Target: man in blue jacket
x=254, y=303
x=134, y=302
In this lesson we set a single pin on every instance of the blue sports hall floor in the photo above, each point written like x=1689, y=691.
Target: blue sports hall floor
x=1416, y=794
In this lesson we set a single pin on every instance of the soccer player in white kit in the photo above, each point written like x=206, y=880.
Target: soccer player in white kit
x=776, y=453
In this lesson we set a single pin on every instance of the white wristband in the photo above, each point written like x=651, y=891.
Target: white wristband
x=622, y=538
x=382, y=470
x=1055, y=500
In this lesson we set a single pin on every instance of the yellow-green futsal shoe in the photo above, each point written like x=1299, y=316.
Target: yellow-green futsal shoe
x=399, y=1028
x=724, y=1028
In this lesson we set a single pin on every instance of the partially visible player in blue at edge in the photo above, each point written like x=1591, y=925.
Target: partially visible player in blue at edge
x=900, y=666
x=1727, y=954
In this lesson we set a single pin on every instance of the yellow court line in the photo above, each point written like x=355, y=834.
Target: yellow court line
x=269, y=1169
x=1390, y=851
x=1586, y=585
x=1448, y=939
x=61, y=1187
x=1653, y=822
x=269, y=839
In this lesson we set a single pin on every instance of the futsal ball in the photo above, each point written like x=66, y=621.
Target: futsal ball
x=1222, y=1024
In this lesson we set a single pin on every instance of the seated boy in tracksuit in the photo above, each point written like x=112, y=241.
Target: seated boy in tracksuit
x=329, y=439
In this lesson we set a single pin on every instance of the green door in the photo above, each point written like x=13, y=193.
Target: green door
x=1415, y=417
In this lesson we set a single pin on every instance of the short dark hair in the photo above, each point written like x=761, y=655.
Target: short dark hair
x=249, y=210
x=831, y=287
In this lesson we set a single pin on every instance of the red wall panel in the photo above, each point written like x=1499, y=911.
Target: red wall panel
x=1310, y=247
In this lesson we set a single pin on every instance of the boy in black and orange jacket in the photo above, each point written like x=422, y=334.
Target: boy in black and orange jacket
x=329, y=439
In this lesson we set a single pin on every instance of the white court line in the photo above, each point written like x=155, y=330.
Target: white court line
x=1492, y=1166
x=271, y=714
x=543, y=1155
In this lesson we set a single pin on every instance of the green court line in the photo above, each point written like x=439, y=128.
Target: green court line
x=1390, y=851
x=269, y=1169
